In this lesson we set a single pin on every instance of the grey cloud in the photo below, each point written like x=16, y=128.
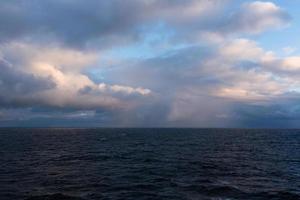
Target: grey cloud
x=74, y=22
x=100, y=24
x=165, y=72
x=190, y=83
x=256, y=17
x=278, y=114
x=48, y=117
x=17, y=88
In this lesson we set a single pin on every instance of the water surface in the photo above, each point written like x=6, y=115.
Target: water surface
x=84, y=164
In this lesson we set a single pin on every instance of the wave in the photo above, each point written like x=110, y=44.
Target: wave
x=57, y=196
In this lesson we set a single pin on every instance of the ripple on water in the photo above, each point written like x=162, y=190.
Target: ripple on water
x=113, y=164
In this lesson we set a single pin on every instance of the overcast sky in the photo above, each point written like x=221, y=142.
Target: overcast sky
x=146, y=63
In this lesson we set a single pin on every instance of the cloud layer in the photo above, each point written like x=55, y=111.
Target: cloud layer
x=144, y=63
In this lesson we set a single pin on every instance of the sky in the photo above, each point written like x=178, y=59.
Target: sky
x=150, y=63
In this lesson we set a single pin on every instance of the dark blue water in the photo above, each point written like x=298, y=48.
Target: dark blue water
x=37, y=164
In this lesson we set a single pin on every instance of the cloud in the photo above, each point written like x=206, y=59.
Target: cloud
x=104, y=88
x=251, y=18
x=142, y=63
x=256, y=17
x=96, y=23
x=17, y=87
x=198, y=84
x=53, y=76
x=102, y=24
x=241, y=49
x=289, y=64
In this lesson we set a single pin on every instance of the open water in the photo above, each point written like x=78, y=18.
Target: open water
x=139, y=164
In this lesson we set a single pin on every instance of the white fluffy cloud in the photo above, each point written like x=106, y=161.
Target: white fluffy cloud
x=246, y=75
x=65, y=69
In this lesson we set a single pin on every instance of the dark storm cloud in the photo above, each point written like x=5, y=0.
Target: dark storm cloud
x=17, y=88
x=283, y=113
x=76, y=22
x=72, y=22
x=104, y=23
x=96, y=23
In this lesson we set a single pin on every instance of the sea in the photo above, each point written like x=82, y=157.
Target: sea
x=149, y=163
